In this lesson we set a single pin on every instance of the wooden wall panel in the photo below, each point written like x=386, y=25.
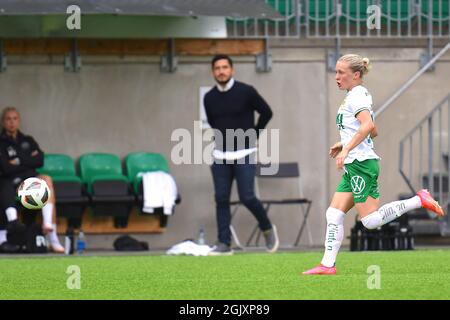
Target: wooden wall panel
x=132, y=47
x=211, y=47
x=105, y=225
x=36, y=46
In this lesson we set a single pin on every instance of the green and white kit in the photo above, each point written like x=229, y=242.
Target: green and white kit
x=362, y=163
x=361, y=179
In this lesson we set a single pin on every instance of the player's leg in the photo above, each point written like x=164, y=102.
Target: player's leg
x=367, y=203
x=341, y=203
x=8, y=199
x=3, y=221
x=9, y=223
x=372, y=216
x=48, y=211
x=49, y=217
x=9, y=231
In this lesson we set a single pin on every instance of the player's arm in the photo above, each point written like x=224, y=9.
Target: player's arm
x=10, y=166
x=335, y=149
x=374, y=132
x=365, y=129
x=35, y=159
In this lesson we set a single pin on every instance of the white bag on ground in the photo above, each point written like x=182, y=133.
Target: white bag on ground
x=189, y=247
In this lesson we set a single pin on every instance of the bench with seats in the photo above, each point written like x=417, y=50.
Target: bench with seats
x=104, y=198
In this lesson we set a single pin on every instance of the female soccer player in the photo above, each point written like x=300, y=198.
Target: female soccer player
x=355, y=154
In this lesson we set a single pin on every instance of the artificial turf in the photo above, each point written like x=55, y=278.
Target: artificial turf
x=419, y=274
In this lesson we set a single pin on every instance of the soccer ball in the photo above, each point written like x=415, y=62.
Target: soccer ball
x=33, y=193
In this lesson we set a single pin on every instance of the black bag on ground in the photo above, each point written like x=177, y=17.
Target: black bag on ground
x=24, y=239
x=16, y=233
x=35, y=240
x=7, y=247
x=127, y=243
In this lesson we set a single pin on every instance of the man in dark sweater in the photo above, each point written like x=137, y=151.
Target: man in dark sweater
x=20, y=156
x=230, y=109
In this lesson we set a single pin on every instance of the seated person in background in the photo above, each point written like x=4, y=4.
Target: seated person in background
x=20, y=156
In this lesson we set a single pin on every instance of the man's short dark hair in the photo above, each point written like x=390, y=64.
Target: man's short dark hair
x=218, y=57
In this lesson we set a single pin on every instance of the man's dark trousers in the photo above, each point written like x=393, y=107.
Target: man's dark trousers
x=223, y=174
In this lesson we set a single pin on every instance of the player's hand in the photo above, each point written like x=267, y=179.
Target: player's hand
x=341, y=158
x=335, y=149
x=15, y=161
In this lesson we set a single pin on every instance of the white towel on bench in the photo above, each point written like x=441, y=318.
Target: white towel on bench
x=160, y=190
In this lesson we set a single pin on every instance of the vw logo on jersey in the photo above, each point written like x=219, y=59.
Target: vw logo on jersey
x=358, y=184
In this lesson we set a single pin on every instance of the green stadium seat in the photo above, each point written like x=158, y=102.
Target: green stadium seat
x=354, y=12
x=100, y=167
x=107, y=186
x=444, y=10
x=397, y=11
x=318, y=9
x=282, y=6
x=140, y=162
x=60, y=167
x=70, y=195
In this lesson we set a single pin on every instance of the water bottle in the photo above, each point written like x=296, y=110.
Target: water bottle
x=81, y=242
x=403, y=239
x=201, y=236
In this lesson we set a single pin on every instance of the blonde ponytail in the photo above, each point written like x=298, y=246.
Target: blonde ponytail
x=357, y=63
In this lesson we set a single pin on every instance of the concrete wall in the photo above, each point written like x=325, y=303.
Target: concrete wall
x=128, y=105
x=125, y=107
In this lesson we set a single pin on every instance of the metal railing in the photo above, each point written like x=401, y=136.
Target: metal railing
x=408, y=83
x=347, y=19
x=424, y=157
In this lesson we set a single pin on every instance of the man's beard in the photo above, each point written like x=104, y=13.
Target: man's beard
x=223, y=83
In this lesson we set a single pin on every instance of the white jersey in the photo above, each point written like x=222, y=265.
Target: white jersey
x=356, y=100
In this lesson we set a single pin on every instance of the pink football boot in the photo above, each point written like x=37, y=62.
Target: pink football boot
x=429, y=203
x=321, y=269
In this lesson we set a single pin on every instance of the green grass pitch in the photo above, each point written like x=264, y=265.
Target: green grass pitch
x=419, y=274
